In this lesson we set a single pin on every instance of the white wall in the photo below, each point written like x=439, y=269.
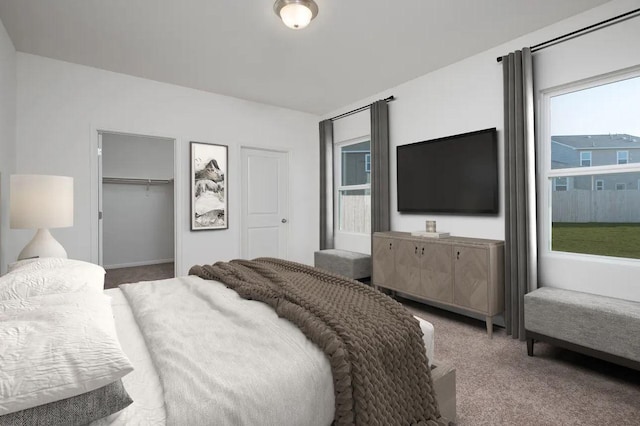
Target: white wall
x=467, y=96
x=61, y=106
x=7, y=138
x=138, y=221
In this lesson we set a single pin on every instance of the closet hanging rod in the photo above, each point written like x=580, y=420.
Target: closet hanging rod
x=136, y=181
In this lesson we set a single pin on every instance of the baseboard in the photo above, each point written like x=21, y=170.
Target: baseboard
x=142, y=263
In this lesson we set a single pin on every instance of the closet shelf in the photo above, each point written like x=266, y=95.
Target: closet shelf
x=136, y=181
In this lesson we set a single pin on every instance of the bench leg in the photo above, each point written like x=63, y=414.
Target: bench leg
x=530, y=347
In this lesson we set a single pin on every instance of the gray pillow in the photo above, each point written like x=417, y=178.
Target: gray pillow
x=77, y=410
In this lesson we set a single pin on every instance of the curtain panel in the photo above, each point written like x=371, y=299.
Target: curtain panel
x=380, y=193
x=326, y=185
x=520, y=188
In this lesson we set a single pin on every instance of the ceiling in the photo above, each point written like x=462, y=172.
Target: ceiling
x=352, y=50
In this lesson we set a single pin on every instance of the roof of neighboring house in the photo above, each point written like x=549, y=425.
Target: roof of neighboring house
x=599, y=141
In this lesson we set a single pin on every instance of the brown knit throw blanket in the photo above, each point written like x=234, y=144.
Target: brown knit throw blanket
x=374, y=345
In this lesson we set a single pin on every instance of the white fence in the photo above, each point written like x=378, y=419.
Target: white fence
x=579, y=205
x=355, y=213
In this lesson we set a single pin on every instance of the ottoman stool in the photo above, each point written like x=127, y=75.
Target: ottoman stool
x=348, y=263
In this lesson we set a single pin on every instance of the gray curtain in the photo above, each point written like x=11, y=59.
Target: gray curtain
x=521, y=264
x=326, y=184
x=380, y=196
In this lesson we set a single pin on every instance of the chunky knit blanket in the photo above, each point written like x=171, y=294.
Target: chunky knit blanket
x=375, y=348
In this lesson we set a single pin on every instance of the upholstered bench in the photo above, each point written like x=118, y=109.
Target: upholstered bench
x=598, y=326
x=348, y=263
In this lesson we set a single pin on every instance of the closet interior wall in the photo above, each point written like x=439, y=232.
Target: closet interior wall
x=137, y=200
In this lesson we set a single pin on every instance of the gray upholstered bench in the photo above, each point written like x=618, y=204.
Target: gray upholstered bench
x=598, y=326
x=348, y=263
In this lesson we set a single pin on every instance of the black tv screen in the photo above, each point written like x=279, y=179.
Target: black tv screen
x=455, y=174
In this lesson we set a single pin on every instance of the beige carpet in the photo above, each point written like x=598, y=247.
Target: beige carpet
x=498, y=384
x=134, y=274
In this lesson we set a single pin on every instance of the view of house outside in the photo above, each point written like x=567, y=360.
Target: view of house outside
x=354, y=193
x=595, y=144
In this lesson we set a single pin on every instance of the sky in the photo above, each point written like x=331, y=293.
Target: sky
x=611, y=108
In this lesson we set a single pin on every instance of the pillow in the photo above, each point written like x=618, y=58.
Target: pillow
x=77, y=410
x=50, y=275
x=57, y=346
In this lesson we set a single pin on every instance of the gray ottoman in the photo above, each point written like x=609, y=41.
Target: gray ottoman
x=595, y=325
x=348, y=263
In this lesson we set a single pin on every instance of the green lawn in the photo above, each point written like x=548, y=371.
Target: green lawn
x=604, y=239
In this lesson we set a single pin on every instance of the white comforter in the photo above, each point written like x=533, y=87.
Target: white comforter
x=229, y=361
x=261, y=368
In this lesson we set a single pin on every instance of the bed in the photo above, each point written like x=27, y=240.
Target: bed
x=143, y=384
x=265, y=371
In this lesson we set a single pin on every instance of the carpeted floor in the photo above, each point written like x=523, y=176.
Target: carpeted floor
x=115, y=277
x=498, y=384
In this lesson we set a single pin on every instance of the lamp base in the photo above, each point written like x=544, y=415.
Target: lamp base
x=43, y=245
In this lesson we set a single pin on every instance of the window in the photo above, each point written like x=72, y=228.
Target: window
x=585, y=158
x=584, y=219
x=353, y=182
x=560, y=184
x=623, y=157
x=599, y=185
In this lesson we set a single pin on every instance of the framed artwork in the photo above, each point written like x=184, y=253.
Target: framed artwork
x=209, y=201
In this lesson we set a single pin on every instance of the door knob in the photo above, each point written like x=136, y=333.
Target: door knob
x=284, y=221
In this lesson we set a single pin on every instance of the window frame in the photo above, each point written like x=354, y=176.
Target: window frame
x=599, y=182
x=339, y=187
x=590, y=155
x=565, y=185
x=626, y=160
x=546, y=175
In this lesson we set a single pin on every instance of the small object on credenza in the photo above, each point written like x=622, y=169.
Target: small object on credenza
x=430, y=234
x=430, y=225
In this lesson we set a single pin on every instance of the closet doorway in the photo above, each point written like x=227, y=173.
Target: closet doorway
x=136, y=203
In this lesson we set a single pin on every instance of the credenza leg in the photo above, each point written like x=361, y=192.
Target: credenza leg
x=529, y=346
x=489, y=321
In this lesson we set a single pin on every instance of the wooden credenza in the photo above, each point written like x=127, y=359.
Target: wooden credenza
x=466, y=273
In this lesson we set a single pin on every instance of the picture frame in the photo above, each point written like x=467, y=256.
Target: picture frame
x=209, y=196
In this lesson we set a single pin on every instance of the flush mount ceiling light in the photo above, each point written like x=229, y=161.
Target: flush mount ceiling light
x=296, y=14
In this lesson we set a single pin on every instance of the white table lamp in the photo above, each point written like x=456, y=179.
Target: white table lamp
x=41, y=202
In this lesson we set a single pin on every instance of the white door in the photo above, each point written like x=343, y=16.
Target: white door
x=265, y=203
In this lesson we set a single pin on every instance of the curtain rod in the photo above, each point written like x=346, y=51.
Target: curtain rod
x=337, y=117
x=583, y=31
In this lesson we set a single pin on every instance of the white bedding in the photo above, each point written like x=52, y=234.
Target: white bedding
x=145, y=388
x=56, y=346
x=142, y=384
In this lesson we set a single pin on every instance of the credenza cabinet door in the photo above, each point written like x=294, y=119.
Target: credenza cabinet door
x=384, y=261
x=408, y=264
x=437, y=274
x=471, y=276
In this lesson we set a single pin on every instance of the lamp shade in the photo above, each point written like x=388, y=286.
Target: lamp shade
x=296, y=14
x=40, y=201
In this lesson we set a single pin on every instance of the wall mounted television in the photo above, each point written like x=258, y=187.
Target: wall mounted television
x=454, y=174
